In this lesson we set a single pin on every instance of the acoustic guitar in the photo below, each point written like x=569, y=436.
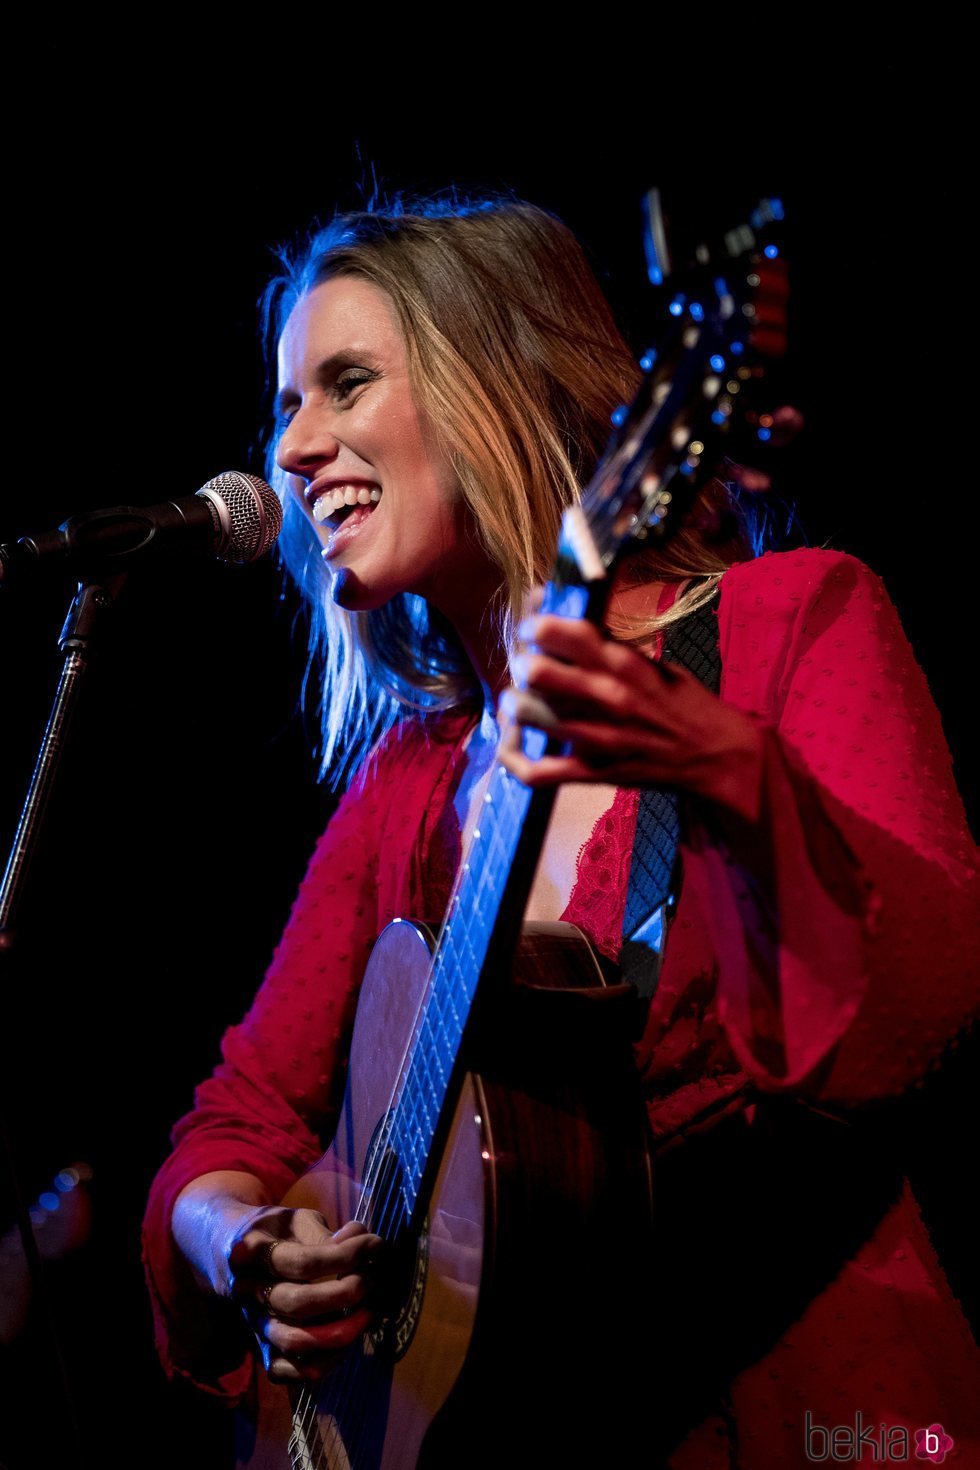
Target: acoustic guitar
x=492, y=1130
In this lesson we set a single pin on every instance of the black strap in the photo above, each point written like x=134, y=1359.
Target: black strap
x=693, y=643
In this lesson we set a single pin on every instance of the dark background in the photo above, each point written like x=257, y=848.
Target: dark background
x=188, y=803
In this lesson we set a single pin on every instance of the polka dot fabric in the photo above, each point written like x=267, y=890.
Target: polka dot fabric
x=823, y=959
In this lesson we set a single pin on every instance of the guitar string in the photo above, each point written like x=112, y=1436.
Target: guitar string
x=391, y=1220
x=437, y=1019
x=437, y=969
x=334, y=1439
x=510, y=808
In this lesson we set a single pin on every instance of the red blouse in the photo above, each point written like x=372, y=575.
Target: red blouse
x=827, y=955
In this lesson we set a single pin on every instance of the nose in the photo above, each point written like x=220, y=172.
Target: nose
x=306, y=444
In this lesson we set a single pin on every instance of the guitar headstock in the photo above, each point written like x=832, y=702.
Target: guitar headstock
x=699, y=403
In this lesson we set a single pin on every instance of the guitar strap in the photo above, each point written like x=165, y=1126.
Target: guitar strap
x=654, y=877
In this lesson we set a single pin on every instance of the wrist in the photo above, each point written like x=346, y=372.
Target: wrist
x=226, y=1220
x=207, y=1216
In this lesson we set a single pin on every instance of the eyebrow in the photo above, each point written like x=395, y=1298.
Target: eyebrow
x=327, y=370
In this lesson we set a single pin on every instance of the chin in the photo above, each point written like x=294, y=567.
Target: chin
x=350, y=593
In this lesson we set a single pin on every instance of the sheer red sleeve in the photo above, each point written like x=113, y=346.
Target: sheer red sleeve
x=846, y=924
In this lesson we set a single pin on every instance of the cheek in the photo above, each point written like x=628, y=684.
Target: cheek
x=429, y=474
x=435, y=518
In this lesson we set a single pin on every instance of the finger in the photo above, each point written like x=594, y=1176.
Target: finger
x=567, y=691
x=521, y=708
x=252, y=1251
x=595, y=753
x=293, y=1338
x=296, y=1262
x=598, y=742
x=350, y=1230
x=582, y=646
x=252, y=1247
x=301, y=1368
x=356, y=1229
x=292, y=1301
x=283, y=1370
x=309, y=1227
x=571, y=638
x=549, y=770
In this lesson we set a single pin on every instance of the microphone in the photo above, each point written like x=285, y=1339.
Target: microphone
x=236, y=517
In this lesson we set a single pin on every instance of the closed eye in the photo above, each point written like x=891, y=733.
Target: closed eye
x=347, y=382
x=334, y=378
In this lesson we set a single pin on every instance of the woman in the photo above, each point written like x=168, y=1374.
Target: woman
x=449, y=371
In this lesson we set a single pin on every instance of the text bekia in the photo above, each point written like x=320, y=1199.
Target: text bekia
x=874, y=1443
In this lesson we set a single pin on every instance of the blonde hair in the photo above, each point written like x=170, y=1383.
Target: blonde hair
x=514, y=358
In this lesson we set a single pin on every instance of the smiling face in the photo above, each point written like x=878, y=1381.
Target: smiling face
x=382, y=496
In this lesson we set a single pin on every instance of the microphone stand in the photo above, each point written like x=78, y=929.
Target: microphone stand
x=94, y=598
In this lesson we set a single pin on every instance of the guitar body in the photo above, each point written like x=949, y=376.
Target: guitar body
x=511, y=1329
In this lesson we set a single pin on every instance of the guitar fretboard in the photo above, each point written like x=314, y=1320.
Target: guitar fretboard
x=491, y=888
x=479, y=897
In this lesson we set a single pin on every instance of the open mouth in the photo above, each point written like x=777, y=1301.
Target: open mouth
x=339, y=504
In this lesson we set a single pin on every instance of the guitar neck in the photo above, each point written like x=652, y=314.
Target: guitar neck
x=478, y=937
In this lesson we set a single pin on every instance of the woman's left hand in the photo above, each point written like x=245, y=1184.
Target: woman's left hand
x=624, y=720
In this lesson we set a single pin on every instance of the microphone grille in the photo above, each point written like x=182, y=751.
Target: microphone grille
x=249, y=513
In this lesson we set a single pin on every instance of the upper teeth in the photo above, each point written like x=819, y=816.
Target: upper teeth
x=332, y=500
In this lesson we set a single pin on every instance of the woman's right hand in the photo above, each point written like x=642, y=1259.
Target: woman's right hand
x=305, y=1290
